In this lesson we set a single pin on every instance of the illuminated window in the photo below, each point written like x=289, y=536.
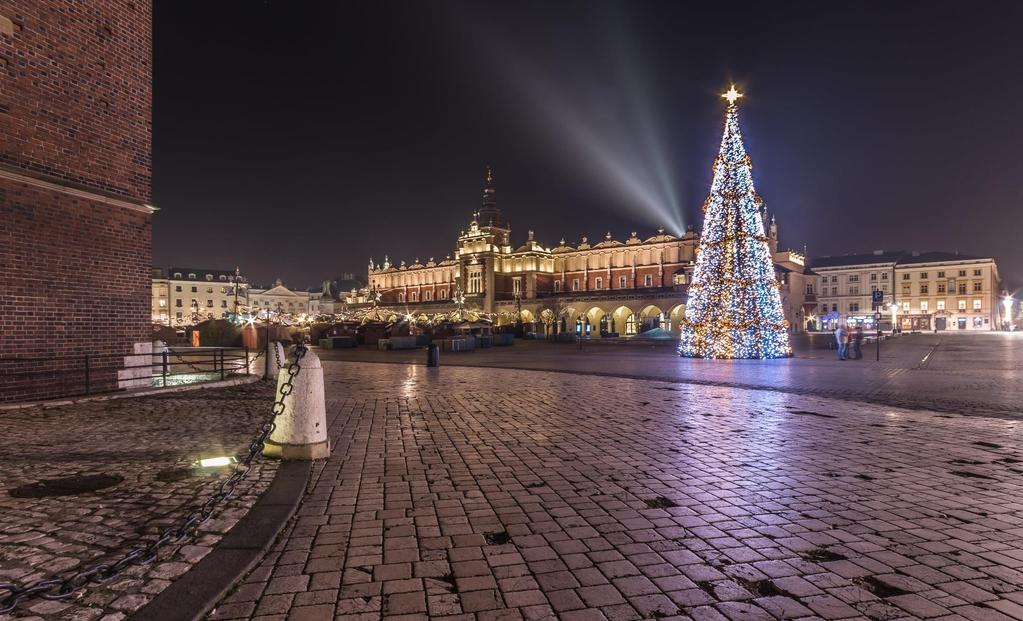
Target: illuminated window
x=940, y=304
x=977, y=304
x=475, y=282
x=962, y=305
x=163, y=302
x=209, y=289
x=905, y=306
x=630, y=324
x=923, y=305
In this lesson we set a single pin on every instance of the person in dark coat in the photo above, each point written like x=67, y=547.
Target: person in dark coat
x=857, y=338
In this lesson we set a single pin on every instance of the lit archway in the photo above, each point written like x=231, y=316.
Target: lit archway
x=650, y=317
x=675, y=316
x=620, y=320
x=595, y=319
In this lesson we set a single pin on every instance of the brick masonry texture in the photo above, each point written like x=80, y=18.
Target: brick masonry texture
x=76, y=92
x=148, y=441
x=75, y=101
x=75, y=279
x=477, y=494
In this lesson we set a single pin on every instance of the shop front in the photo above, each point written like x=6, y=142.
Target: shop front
x=915, y=323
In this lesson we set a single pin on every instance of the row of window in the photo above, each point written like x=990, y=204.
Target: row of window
x=854, y=307
x=923, y=275
x=598, y=283
x=905, y=276
x=427, y=296
x=978, y=287
x=223, y=290
x=191, y=276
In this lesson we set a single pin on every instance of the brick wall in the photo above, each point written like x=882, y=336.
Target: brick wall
x=75, y=235
x=76, y=92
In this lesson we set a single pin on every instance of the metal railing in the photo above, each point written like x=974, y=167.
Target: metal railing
x=93, y=373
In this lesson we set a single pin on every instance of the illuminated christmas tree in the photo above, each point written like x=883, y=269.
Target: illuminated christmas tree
x=734, y=308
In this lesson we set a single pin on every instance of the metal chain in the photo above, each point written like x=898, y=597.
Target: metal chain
x=277, y=354
x=143, y=553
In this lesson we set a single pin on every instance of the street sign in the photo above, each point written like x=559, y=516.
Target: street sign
x=878, y=298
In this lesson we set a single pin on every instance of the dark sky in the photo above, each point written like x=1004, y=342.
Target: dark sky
x=297, y=139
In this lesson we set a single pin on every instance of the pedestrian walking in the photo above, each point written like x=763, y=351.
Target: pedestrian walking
x=858, y=342
x=840, y=339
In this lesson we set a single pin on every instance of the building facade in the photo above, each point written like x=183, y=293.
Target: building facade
x=75, y=219
x=609, y=286
x=921, y=291
x=279, y=299
x=186, y=295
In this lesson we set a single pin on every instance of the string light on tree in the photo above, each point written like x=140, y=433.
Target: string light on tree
x=734, y=307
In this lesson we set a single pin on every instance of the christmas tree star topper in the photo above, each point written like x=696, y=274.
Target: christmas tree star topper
x=732, y=95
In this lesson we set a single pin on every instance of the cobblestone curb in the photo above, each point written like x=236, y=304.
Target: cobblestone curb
x=194, y=594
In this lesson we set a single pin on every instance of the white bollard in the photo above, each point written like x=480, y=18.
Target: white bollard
x=301, y=432
x=269, y=367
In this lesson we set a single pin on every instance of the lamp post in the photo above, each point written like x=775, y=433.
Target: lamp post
x=895, y=309
x=1007, y=303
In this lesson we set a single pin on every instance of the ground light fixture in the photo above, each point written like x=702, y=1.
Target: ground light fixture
x=217, y=462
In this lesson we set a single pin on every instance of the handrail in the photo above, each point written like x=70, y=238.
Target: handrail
x=86, y=373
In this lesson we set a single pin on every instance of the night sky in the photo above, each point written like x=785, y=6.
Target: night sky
x=297, y=140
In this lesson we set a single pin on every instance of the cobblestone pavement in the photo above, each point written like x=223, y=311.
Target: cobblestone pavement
x=148, y=441
x=972, y=373
x=461, y=493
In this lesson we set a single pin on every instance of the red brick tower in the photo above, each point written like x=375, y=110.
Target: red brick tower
x=75, y=220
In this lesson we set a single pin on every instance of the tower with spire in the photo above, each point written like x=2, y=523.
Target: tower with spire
x=489, y=213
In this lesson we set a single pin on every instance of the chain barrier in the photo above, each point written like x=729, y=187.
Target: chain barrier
x=142, y=553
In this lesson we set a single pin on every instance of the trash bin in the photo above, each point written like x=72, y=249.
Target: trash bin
x=432, y=355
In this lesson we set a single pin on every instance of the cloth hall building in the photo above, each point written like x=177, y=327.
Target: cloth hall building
x=597, y=287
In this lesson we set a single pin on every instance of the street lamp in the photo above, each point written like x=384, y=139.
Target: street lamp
x=1007, y=302
x=895, y=309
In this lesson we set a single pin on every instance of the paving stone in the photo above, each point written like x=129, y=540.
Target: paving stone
x=776, y=521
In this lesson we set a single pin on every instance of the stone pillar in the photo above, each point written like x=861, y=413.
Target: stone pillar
x=301, y=432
